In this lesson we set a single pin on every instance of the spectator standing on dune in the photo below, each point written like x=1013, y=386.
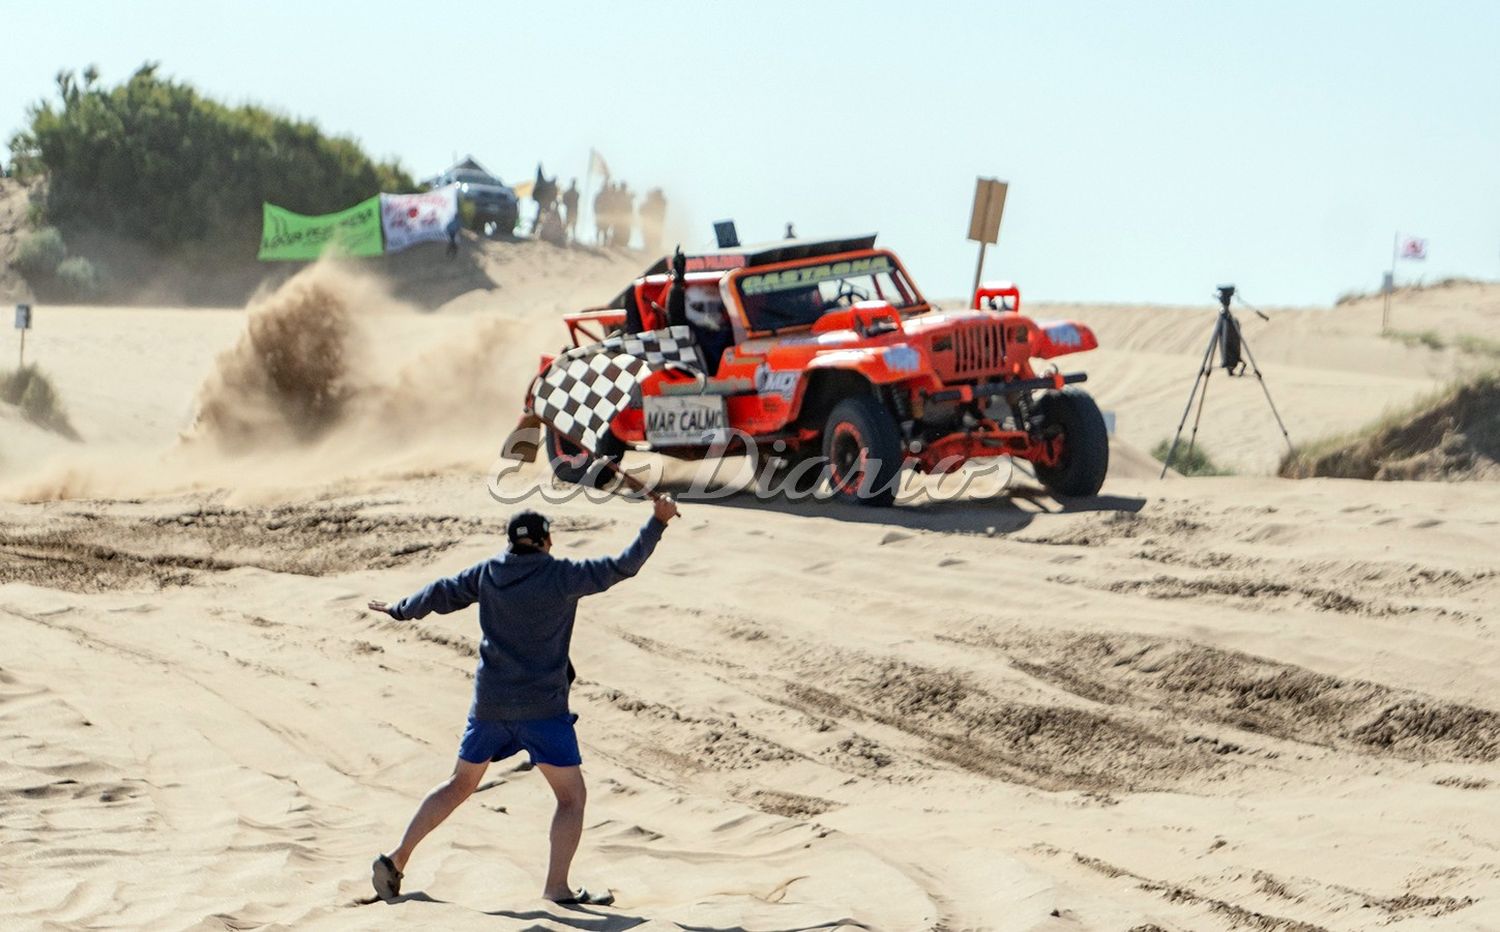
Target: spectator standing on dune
x=527, y=601
x=601, y=216
x=624, y=216
x=570, y=209
x=653, y=220
x=544, y=192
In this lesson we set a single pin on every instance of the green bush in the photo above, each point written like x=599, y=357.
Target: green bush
x=1414, y=338
x=31, y=390
x=1479, y=346
x=152, y=159
x=1189, y=462
x=79, y=276
x=40, y=253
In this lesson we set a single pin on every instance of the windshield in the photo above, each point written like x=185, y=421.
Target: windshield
x=473, y=177
x=797, y=297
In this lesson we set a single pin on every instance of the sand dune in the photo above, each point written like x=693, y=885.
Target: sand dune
x=1223, y=703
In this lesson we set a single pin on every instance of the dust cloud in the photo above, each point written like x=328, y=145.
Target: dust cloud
x=322, y=387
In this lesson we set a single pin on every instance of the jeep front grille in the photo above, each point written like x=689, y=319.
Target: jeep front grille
x=978, y=350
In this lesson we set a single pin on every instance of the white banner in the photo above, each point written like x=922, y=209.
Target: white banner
x=418, y=218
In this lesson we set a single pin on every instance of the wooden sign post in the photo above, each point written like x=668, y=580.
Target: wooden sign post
x=984, y=220
x=23, y=324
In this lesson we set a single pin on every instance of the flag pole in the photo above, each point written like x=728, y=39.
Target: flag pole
x=1385, y=310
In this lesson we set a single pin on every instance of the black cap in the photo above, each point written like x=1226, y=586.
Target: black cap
x=528, y=527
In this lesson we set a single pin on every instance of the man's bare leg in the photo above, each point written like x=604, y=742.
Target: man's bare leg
x=567, y=826
x=439, y=804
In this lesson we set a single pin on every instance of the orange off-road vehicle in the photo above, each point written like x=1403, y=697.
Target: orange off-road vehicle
x=824, y=356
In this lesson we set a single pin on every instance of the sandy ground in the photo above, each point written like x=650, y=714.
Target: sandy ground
x=1201, y=704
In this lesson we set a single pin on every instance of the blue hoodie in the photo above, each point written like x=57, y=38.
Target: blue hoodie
x=527, y=602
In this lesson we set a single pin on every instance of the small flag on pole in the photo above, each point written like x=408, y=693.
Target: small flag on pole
x=597, y=165
x=1413, y=248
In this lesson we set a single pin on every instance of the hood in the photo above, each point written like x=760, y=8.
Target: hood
x=511, y=569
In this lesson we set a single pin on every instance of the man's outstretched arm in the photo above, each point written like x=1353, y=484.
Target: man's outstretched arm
x=588, y=577
x=443, y=596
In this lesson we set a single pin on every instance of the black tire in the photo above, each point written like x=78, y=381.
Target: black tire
x=1084, y=461
x=862, y=452
x=505, y=224
x=571, y=464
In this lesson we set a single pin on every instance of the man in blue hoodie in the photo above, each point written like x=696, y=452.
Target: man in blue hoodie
x=527, y=601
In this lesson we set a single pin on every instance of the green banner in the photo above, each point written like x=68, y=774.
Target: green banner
x=285, y=236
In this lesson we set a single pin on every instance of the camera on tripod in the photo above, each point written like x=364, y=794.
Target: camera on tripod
x=1229, y=343
x=1229, y=334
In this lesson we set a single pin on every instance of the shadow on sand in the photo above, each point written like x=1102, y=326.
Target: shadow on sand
x=1006, y=512
x=589, y=920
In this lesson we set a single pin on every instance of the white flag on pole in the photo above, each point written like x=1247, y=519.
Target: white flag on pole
x=597, y=165
x=1413, y=248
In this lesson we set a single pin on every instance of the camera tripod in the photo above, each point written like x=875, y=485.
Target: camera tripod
x=1229, y=341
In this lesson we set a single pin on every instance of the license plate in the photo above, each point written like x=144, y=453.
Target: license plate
x=685, y=420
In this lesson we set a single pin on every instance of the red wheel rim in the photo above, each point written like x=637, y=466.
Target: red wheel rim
x=848, y=458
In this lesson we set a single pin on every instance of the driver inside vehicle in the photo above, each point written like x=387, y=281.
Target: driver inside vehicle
x=841, y=293
x=710, y=324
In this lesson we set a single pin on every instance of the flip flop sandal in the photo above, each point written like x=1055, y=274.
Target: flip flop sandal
x=585, y=898
x=385, y=878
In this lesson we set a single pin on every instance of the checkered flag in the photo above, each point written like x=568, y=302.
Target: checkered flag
x=584, y=388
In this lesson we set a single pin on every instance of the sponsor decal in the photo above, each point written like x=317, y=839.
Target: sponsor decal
x=1063, y=334
x=770, y=381
x=788, y=279
x=714, y=263
x=902, y=359
x=685, y=421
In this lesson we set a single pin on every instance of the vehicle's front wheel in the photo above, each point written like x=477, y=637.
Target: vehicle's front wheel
x=862, y=449
x=572, y=464
x=1072, y=417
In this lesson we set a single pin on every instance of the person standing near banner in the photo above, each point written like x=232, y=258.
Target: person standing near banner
x=527, y=603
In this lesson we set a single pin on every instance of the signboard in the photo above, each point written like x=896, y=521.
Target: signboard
x=417, y=218
x=725, y=235
x=989, y=204
x=1388, y=283
x=287, y=236
x=685, y=420
x=23, y=317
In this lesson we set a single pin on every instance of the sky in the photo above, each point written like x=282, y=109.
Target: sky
x=1153, y=150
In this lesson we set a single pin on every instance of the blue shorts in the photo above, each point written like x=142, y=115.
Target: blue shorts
x=548, y=740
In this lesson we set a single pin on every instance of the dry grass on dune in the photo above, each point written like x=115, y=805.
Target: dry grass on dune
x=1452, y=434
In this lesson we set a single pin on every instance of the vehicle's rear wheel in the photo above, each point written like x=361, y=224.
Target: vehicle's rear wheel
x=571, y=464
x=1083, y=457
x=862, y=449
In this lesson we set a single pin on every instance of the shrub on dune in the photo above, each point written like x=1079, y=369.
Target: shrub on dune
x=79, y=277
x=40, y=253
x=1189, y=462
x=29, y=389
